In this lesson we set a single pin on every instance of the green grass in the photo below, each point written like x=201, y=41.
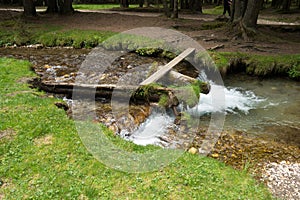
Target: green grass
x=218, y=10
x=99, y=6
x=16, y=32
x=44, y=158
x=259, y=65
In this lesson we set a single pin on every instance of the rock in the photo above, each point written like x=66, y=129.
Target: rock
x=193, y=150
x=282, y=179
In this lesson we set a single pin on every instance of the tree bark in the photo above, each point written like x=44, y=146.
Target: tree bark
x=29, y=8
x=166, y=8
x=175, y=9
x=251, y=14
x=124, y=3
x=198, y=5
x=52, y=6
x=60, y=6
x=67, y=7
x=237, y=10
x=245, y=15
x=286, y=4
x=141, y=3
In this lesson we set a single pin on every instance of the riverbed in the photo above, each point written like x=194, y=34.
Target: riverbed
x=264, y=108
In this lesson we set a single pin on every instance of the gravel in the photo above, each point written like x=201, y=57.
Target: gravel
x=283, y=179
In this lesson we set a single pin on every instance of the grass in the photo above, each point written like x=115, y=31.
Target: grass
x=218, y=10
x=99, y=6
x=44, y=158
x=17, y=32
x=259, y=65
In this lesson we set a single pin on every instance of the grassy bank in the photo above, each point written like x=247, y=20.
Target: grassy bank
x=42, y=157
x=17, y=32
x=258, y=65
x=100, y=6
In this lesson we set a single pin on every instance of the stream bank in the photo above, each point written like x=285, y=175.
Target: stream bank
x=235, y=148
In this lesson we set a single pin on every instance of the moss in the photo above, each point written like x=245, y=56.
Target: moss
x=294, y=72
x=146, y=91
x=163, y=100
x=149, y=51
x=189, y=94
x=21, y=33
x=258, y=65
x=212, y=25
x=132, y=43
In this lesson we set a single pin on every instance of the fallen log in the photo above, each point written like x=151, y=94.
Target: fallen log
x=104, y=90
x=165, y=69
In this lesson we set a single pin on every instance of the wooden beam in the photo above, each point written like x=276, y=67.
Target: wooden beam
x=161, y=72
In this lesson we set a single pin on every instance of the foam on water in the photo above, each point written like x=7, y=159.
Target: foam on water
x=150, y=131
x=235, y=100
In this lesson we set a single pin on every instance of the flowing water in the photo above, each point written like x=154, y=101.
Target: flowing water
x=267, y=108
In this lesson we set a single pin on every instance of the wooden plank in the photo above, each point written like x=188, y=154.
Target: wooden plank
x=161, y=72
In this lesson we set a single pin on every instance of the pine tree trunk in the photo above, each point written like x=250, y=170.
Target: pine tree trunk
x=245, y=15
x=175, y=9
x=67, y=7
x=286, y=4
x=29, y=8
x=52, y=6
x=251, y=14
x=237, y=10
x=166, y=8
x=198, y=5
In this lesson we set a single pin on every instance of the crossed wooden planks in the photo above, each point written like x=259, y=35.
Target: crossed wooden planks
x=165, y=69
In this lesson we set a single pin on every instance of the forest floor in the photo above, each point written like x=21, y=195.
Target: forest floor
x=277, y=33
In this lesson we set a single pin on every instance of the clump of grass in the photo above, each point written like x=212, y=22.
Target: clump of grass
x=163, y=100
x=212, y=25
x=218, y=10
x=294, y=72
x=64, y=169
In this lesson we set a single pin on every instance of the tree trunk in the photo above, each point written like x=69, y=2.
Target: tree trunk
x=52, y=6
x=67, y=7
x=245, y=15
x=198, y=5
x=286, y=4
x=124, y=3
x=175, y=9
x=276, y=3
x=237, y=10
x=172, y=5
x=29, y=8
x=166, y=8
x=251, y=14
x=141, y=3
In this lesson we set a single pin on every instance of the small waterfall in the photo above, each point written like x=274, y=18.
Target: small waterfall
x=232, y=101
x=236, y=99
x=152, y=129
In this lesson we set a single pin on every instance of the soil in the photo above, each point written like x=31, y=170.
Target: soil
x=272, y=37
